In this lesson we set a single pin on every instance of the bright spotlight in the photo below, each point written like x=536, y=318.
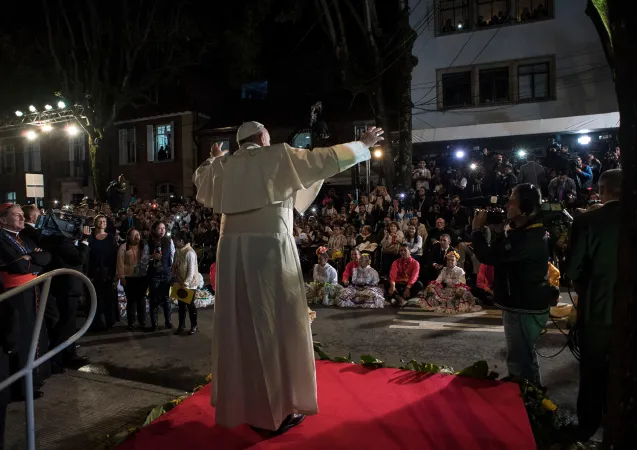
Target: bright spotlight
x=48, y=107
x=584, y=140
x=460, y=154
x=19, y=113
x=460, y=25
x=56, y=202
x=31, y=135
x=522, y=153
x=378, y=153
x=401, y=195
x=32, y=108
x=47, y=128
x=314, y=209
x=61, y=104
x=72, y=130
x=473, y=166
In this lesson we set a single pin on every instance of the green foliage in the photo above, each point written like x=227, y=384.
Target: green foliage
x=602, y=9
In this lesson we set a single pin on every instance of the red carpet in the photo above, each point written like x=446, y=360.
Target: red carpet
x=365, y=409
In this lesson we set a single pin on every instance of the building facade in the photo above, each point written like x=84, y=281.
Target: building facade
x=157, y=154
x=496, y=68
x=58, y=152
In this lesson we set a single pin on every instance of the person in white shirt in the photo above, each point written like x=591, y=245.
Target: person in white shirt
x=422, y=176
x=324, y=289
x=185, y=272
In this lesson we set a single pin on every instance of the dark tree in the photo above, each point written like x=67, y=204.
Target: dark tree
x=616, y=23
x=110, y=54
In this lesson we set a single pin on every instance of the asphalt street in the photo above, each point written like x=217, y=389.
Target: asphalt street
x=130, y=372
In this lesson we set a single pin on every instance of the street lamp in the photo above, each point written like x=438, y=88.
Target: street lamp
x=72, y=130
x=378, y=153
x=584, y=140
x=460, y=154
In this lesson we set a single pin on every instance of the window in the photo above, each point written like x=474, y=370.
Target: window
x=7, y=159
x=31, y=201
x=256, y=90
x=302, y=139
x=533, y=82
x=453, y=16
x=32, y=158
x=534, y=10
x=77, y=155
x=224, y=141
x=494, y=85
x=127, y=146
x=165, y=190
x=360, y=129
x=492, y=12
x=10, y=197
x=456, y=90
x=161, y=142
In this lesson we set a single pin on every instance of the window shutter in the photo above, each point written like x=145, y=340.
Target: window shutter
x=150, y=142
x=71, y=157
x=172, y=140
x=36, y=159
x=27, y=157
x=134, y=131
x=123, y=147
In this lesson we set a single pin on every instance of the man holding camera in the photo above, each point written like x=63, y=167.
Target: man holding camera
x=521, y=289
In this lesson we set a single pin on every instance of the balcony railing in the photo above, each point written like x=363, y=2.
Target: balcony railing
x=32, y=363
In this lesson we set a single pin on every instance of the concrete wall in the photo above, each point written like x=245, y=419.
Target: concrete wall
x=582, y=80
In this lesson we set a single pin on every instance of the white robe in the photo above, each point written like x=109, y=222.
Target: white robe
x=262, y=353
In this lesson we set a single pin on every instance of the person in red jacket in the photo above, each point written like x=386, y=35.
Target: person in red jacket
x=349, y=268
x=403, y=278
x=483, y=289
x=213, y=274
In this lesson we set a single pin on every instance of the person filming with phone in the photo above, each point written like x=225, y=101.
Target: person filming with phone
x=520, y=288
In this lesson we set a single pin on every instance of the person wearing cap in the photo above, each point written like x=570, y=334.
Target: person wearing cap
x=263, y=370
x=20, y=261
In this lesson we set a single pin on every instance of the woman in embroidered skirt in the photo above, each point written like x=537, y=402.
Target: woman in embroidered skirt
x=364, y=291
x=324, y=290
x=449, y=294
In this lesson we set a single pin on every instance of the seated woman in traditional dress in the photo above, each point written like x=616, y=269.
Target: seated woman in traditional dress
x=363, y=292
x=325, y=288
x=448, y=293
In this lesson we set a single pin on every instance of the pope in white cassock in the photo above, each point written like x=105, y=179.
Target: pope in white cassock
x=263, y=371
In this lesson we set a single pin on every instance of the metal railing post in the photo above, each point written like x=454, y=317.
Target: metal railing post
x=32, y=363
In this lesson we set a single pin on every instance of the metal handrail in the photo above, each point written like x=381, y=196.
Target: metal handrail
x=32, y=363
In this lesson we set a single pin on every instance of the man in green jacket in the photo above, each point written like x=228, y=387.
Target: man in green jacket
x=592, y=266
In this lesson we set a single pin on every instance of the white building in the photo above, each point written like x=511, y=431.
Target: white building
x=537, y=68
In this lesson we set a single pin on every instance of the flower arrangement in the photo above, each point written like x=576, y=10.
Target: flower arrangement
x=321, y=250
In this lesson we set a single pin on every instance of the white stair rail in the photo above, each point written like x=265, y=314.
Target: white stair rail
x=32, y=363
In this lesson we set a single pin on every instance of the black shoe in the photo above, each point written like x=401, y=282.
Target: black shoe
x=179, y=330
x=192, y=331
x=290, y=421
x=151, y=329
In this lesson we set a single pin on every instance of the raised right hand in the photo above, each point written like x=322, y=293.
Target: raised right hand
x=372, y=136
x=215, y=150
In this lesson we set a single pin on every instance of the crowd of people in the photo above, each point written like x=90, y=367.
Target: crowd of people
x=415, y=248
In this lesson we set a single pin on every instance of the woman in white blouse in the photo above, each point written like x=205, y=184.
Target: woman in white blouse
x=185, y=272
x=363, y=292
x=324, y=289
x=449, y=294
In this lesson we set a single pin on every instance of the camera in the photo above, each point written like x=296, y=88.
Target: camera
x=67, y=225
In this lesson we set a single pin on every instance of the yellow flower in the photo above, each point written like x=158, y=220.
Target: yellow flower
x=548, y=405
x=209, y=378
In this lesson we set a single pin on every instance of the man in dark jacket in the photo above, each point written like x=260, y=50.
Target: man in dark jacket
x=520, y=286
x=67, y=290
x=592, y=266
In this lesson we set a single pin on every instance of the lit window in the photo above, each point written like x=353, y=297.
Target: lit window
x=492, y=12
x=302, y=139
x=534, y=10
x=10, y=197
x=453, y=16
